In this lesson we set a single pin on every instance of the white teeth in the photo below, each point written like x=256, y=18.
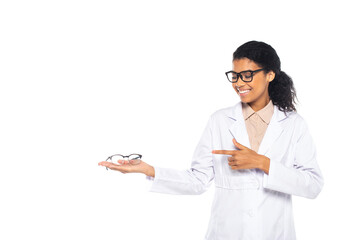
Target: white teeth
x=244, y=91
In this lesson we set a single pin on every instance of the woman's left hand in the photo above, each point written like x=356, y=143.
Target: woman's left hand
x=245, y=158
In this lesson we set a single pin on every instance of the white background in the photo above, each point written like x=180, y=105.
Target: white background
x=81, y=80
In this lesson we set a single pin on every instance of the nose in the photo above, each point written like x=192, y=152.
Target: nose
x=239, y=83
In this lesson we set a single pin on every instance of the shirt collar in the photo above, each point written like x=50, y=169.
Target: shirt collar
x=265, y=113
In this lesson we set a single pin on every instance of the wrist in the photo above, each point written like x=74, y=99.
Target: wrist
x=264, y=163
x=150, y=171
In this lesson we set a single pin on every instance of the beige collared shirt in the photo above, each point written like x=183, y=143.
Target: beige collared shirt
x=257, y=122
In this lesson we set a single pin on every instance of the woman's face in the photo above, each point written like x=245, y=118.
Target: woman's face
x=254, y=93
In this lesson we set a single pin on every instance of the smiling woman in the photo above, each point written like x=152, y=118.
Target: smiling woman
x=255, y=90
x=261, y=77
x=258, y=153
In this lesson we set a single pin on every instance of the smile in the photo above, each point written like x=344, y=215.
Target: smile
x=243, y=92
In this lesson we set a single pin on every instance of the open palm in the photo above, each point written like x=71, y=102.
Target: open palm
x=126, y=166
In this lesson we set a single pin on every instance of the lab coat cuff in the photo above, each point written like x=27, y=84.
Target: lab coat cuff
x=165, y=181
x=150, y=180
x=275, y=176
x=281, y=178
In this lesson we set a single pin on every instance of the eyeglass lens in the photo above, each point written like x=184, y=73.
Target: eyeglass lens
x=245, y=76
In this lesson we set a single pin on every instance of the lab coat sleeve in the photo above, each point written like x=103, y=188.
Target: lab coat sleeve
x=304, y=177
x=195, y=180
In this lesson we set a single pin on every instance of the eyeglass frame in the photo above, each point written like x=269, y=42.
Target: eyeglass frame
x=240, y=74
x=124, y=156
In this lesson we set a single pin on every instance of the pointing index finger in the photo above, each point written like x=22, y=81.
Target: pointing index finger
x=226, y=152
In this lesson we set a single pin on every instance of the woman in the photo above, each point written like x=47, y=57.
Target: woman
x=254, y=182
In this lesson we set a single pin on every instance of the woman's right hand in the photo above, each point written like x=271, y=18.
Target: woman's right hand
x=125, y=167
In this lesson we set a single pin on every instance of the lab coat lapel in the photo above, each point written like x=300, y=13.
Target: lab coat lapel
x=239, y=132
x=273, y=131
x=238, y=128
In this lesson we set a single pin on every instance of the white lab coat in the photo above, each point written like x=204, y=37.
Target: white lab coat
x=249, y=204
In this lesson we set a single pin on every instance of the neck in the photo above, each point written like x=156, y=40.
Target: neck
x=260, y=104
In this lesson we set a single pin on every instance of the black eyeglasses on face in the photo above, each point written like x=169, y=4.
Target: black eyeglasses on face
x=246, y=76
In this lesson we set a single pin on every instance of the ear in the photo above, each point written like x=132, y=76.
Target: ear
x=270, y=76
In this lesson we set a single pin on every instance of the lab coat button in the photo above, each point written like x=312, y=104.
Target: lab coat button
x=251, y=213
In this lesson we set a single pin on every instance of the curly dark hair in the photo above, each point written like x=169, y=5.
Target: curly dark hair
x=281, y=89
